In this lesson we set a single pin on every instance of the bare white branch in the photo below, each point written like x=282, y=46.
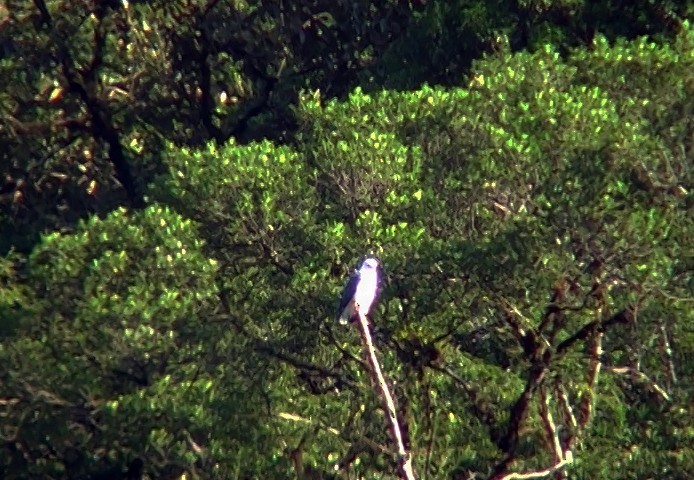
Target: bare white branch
x=666, y=352
x=549, y=426
x=568, y=458
x=565, y=405
x=405, y=458
x=641, y=377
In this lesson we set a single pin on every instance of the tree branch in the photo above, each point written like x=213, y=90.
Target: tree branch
x=527, y=340
x=587, y=399
x=639, y=376
x=83, y=83
x=405, y=460
x=539, y=473
x=624, y=316
x=666, y=353
x=566, y=410
x=562, y=455
x=549, y=426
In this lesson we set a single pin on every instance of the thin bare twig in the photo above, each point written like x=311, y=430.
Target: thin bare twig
x=541, y=473
x=641, y=377
x=666, y=352
x=566, y=410
x=561, y=457
x=549, y=425
x=405, y=458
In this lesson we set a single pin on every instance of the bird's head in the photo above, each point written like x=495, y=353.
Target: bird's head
x=369, y=263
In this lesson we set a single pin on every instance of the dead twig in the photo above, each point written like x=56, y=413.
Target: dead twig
x=541, y=473
x=640, y=377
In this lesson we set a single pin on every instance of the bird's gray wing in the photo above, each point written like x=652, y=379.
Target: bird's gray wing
x=348, y=292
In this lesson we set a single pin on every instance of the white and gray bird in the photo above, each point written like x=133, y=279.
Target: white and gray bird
x=360, y=291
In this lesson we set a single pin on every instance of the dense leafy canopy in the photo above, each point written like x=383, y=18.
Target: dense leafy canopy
x=186, y=185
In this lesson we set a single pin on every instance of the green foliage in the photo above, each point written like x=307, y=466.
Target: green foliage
x=445, y=38
x=125, y=337
x=536, y=172
x=14, y=297
x=96, y=89
x=532, y=225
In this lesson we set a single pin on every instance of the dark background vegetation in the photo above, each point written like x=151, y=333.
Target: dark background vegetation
x=185, y=184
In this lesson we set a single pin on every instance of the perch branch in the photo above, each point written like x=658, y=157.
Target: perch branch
x=405, y=460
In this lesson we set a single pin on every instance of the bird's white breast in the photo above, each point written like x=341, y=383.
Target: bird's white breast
x=366, y=291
